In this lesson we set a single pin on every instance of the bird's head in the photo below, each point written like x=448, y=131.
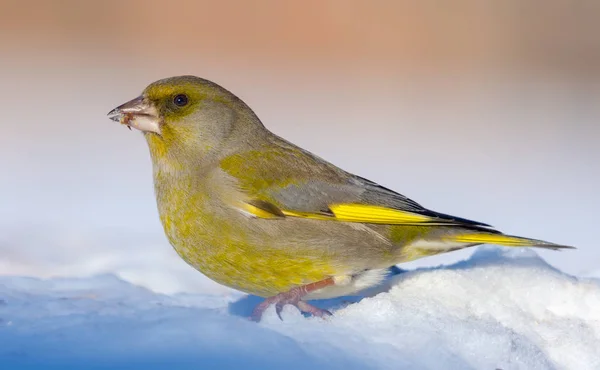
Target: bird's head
x=186, y=114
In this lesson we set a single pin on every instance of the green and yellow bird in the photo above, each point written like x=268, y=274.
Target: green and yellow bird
x=256, y=213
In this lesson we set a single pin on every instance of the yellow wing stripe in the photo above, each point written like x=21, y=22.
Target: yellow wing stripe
x=375, y=214
x=345, y=212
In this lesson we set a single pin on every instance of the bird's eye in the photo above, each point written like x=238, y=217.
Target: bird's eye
x=180, y=100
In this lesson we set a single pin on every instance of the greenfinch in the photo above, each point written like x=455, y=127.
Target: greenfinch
x=257, y=213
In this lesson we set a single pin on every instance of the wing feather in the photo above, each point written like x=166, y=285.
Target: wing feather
x=290, y=182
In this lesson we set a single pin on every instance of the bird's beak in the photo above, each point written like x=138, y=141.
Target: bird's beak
x=137, y=113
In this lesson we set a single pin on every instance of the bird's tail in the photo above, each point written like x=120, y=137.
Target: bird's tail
x=473, y=238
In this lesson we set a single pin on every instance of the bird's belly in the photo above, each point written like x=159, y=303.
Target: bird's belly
x=267, y=257
x=254, y=269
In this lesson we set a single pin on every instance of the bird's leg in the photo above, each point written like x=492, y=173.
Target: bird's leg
x=294, y=297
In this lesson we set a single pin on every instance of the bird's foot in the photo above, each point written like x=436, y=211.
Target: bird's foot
x=293, y=297
x=313, y=310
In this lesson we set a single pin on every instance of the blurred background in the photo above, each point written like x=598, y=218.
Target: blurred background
x=489, y=110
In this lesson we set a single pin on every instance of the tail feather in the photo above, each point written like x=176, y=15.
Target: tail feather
x=505, y=240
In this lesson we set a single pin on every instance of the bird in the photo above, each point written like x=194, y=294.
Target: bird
x=254, y=212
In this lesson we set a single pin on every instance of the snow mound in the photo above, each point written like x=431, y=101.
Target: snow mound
x=500, y=309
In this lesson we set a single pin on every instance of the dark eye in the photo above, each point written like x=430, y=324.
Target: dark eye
x=180, y=100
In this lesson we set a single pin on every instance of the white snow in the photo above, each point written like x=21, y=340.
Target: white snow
x=501, y=308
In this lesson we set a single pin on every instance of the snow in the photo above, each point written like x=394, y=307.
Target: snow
x=501, y=308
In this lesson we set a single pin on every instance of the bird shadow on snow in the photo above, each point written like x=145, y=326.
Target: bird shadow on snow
x=485, y=256
x=243, y=307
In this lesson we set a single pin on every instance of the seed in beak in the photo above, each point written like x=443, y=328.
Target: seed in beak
x=138, y=114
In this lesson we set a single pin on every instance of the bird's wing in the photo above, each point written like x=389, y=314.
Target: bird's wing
x=298, y=184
